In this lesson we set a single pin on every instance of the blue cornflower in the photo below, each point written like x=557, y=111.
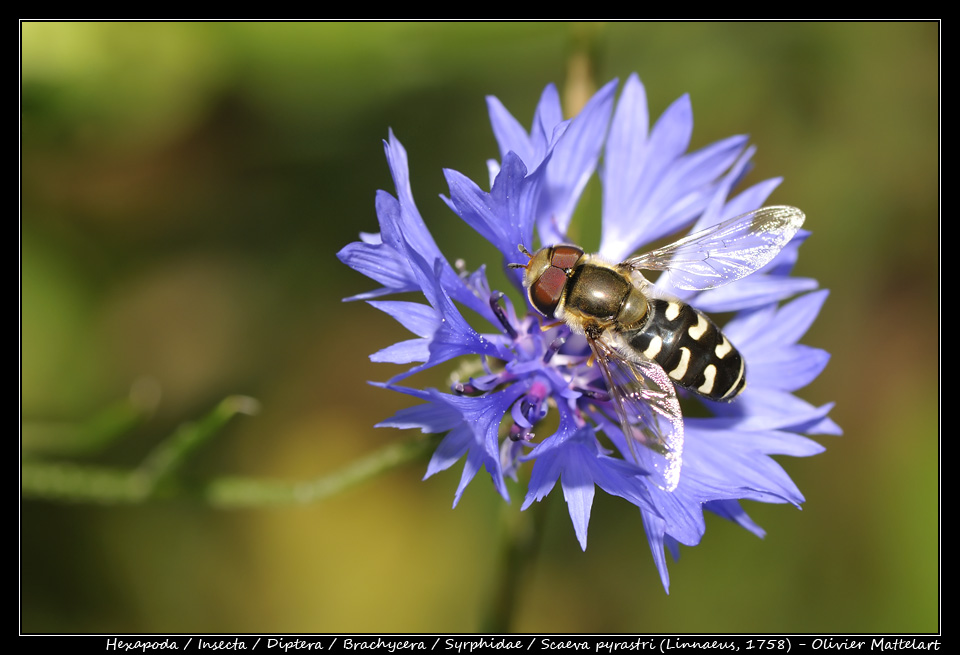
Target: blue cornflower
x=529, y=367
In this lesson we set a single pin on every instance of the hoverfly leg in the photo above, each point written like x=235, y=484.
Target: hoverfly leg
x=546, y=327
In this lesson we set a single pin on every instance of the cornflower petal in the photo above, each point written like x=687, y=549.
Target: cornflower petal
x=416, y=317
x=575, y=146
x=511, y=135
x=652, y=187
x=504, y=217
x=575, y=155
x=404, y=352
x=774, y=326
x=453, y=336
x=790, y=369
x=657, y=538
x=732, y=511
x=431, y=417
x=419, y=319
x=573, y=455
x=383, y=258
x=481, y=423
x=720, y=207
x=754, y=291
x=380, y=263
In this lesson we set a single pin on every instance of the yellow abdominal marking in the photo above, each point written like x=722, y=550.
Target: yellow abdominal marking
x=654, y=348
x=723, y=348
x=673, y=311
x=681, y=370
x=696, y=331
x=710, y=373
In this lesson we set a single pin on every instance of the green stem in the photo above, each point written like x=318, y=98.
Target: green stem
x=84, y=483
x=81, y=483
x=585, y=43
x=84, y=439
x=519, y=545
x=245, y=492
x=166, y=460
x=91, y=483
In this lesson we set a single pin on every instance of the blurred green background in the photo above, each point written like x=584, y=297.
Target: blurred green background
x=184, y=190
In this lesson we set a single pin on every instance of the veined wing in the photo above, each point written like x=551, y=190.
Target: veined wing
x=726, y=251
x=648, y=410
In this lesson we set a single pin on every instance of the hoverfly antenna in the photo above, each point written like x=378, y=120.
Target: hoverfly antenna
x=526, y=252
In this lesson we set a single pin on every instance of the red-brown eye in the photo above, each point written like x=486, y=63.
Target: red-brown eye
x=566, y=257
x=545, y=293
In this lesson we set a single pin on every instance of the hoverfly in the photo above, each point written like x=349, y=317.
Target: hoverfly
x=645, y=343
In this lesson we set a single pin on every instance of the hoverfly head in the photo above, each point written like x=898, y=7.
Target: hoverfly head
x=545, y=275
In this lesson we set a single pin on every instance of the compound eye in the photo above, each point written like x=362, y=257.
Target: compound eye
x=566, y=257
x=546, y=292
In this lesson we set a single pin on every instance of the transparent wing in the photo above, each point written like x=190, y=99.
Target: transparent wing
x=726, y=251
x=648, y=410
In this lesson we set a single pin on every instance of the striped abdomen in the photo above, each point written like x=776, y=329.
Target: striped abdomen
x=690, y=348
